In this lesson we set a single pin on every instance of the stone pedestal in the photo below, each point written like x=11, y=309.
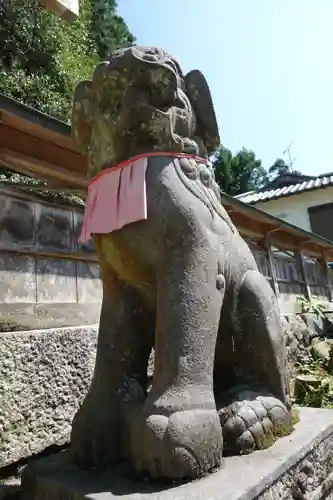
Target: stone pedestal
x=297, y=467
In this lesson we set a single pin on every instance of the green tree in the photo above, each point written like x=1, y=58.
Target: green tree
x=42, y=57
x=107, y=28
x=280, y=167
x=238, y=173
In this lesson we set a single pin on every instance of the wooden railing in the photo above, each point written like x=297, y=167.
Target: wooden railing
x=292, y=274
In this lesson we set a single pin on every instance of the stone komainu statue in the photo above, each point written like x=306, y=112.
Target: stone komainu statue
x=181, y=280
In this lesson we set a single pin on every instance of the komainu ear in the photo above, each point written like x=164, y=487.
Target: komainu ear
x=82, y=116
x=199, y=94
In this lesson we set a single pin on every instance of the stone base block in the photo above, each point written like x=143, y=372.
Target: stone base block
x=44, y=376
x=297, y=467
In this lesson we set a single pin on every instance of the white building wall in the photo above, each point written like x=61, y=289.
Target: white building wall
x=294, y=208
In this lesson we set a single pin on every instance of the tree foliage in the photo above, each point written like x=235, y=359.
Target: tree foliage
x=109, y=30
x=42, y=57
x=280, y=167
x=238, y=173
x=244, y=172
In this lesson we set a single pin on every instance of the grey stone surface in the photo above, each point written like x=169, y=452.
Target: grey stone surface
x=328, y=322
x=295, y=464
x=81, y=247
x=32, y=279
x=10, y=492
x=38, y=252
x=299, y=330
x=26, y=223
x=315, y=323
x=19, y=317
x=89, y=287
x=54, y=228
x=182, y=280
x=44, y=376
x=322, y=348
x=296, y=335
x=17, y=278
x=56, y=280
x=17, y=223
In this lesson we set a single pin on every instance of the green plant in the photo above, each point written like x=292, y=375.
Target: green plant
x=317, y=388
x=45, y=192
x=42, y=58
x=312, y=305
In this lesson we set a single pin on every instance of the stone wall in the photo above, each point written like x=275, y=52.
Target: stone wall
x=47, y=278
x=44, y=376
x=301, y=329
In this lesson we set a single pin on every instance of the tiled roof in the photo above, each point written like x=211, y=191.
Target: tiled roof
x=268, y=194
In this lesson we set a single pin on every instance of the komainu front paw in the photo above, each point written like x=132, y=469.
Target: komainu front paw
x=185, y=445
x=253, y=421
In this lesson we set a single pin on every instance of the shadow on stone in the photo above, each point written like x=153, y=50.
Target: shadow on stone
x=272, y=473
x=10, y=492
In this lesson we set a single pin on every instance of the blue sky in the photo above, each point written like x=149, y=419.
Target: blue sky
x=269, y=64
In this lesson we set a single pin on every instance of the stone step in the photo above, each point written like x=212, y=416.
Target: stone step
x=296, y=467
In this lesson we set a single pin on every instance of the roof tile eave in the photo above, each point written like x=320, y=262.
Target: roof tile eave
x=262, y=196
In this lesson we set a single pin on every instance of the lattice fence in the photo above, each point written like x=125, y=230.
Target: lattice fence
x=292, y=274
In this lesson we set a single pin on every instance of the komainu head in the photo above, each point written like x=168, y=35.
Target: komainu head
x=139, y=101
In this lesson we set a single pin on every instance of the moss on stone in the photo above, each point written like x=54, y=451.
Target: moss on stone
x=286, y=428
x=294, y=416
x=45, y=193
x=268, y=440
x=280, y=430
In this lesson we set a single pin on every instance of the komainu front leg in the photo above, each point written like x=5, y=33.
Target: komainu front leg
x=258, y=413
x=180, y=435
x=125, y=339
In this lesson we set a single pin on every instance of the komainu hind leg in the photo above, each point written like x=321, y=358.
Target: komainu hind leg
x=257, y=412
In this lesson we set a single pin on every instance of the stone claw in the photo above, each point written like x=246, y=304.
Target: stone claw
x=253, y=421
